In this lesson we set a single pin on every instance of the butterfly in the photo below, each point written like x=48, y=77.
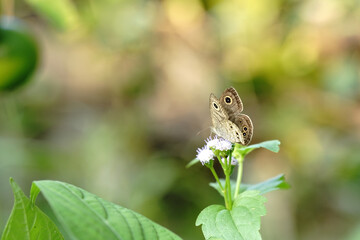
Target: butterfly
x=227, y=120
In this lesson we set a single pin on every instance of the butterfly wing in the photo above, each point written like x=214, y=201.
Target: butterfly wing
x=221, y=125
x=217, y=112
x=231, y=102
x=231, y=132
x=244, y=123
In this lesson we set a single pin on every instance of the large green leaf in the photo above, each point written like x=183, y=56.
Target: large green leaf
x=275, y=183
x=272, y=145
x=27, y=221
x=87, y=216
x=242, y=222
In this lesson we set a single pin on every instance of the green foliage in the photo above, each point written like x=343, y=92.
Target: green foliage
x=27, y=221
x=18, y=57
x=83, y=215
x=242, y=222
x=275, y=183
x=86, y=216
x=244, y=205
x=272, y=184
x=272, y=145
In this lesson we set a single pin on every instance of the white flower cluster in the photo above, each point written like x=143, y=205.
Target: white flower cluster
x=205, y=154
x=218, y=144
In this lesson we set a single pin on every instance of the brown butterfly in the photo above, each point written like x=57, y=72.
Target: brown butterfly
x=227, y=120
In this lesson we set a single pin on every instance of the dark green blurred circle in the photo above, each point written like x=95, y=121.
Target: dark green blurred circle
x=18, y=54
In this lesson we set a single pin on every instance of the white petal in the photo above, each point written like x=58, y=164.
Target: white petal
x=204, y=155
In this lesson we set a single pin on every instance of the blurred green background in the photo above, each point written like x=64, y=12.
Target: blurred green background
x=118, y=105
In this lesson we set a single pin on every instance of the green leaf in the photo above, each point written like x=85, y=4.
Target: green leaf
x=87, y=216
x=27, y=221
x=275, y=183
x=62, y=14
x=193, y=162
x=242, y=222
x=272, y=145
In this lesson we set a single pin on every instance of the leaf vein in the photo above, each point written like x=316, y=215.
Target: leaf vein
x=140, y=224
x=85, y=203
x=126, y=221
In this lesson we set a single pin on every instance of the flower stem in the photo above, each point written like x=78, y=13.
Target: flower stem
x=239, y=175
x=228, y=190
x=224, y=190
x=227, y=180
x=217, y=178
x=222, y=163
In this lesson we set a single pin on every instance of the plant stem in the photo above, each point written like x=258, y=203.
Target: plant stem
x=224, y=190
x=222, y=163
x=239, y=175
x=228, y=159
x=217, y=178
x=228, y=189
